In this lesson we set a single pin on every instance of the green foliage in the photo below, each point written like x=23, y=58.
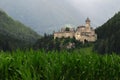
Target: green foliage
x=14, y=34
x=108, y=36
x=67, y=29
x=76, y=65
x=48, y=43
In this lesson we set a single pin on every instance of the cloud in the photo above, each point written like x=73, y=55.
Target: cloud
x=42, y=15
x=98, y=10
x=51, y=14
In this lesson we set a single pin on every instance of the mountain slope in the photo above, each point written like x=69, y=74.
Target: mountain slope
x=43, y=15
x=108, y=36
x=15, y=33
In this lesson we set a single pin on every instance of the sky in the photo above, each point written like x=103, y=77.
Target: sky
x=48, y=15
x=98, y=10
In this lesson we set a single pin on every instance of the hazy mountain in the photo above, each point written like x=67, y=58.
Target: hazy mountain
x=42, y=15
x=14, y=34
x=109, y=36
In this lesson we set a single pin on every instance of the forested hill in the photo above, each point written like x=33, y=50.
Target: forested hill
x=14, y=34
x=109, y=36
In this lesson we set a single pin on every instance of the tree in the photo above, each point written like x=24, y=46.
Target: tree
x=67, y=29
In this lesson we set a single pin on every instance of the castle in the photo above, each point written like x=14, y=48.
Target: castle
x=82, y=33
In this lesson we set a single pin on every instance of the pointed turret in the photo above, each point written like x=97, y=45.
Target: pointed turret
x=87, y=24
x=88, y=21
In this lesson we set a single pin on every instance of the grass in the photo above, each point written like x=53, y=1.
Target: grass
x=76, y=65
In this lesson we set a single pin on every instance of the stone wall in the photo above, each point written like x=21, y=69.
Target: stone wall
x=63, y=34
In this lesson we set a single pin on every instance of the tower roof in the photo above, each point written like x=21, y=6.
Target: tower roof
x=87, y=20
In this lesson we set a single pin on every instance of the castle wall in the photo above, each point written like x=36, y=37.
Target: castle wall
x=63, y=34
x=81, y=34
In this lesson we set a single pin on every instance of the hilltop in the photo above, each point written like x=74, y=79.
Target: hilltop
x=108, y=36
x=14, y=34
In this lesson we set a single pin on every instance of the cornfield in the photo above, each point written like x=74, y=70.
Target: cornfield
x=75, y=65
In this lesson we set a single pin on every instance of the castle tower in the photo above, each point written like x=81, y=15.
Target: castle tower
x=87, y=24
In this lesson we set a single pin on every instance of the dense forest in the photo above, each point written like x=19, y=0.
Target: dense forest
x=109, y=36
x=14, y=34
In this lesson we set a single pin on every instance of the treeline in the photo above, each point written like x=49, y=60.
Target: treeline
x=109, y=36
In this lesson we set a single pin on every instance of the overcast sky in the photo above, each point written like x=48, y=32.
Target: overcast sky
x=98, y=10
x=32, y=12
